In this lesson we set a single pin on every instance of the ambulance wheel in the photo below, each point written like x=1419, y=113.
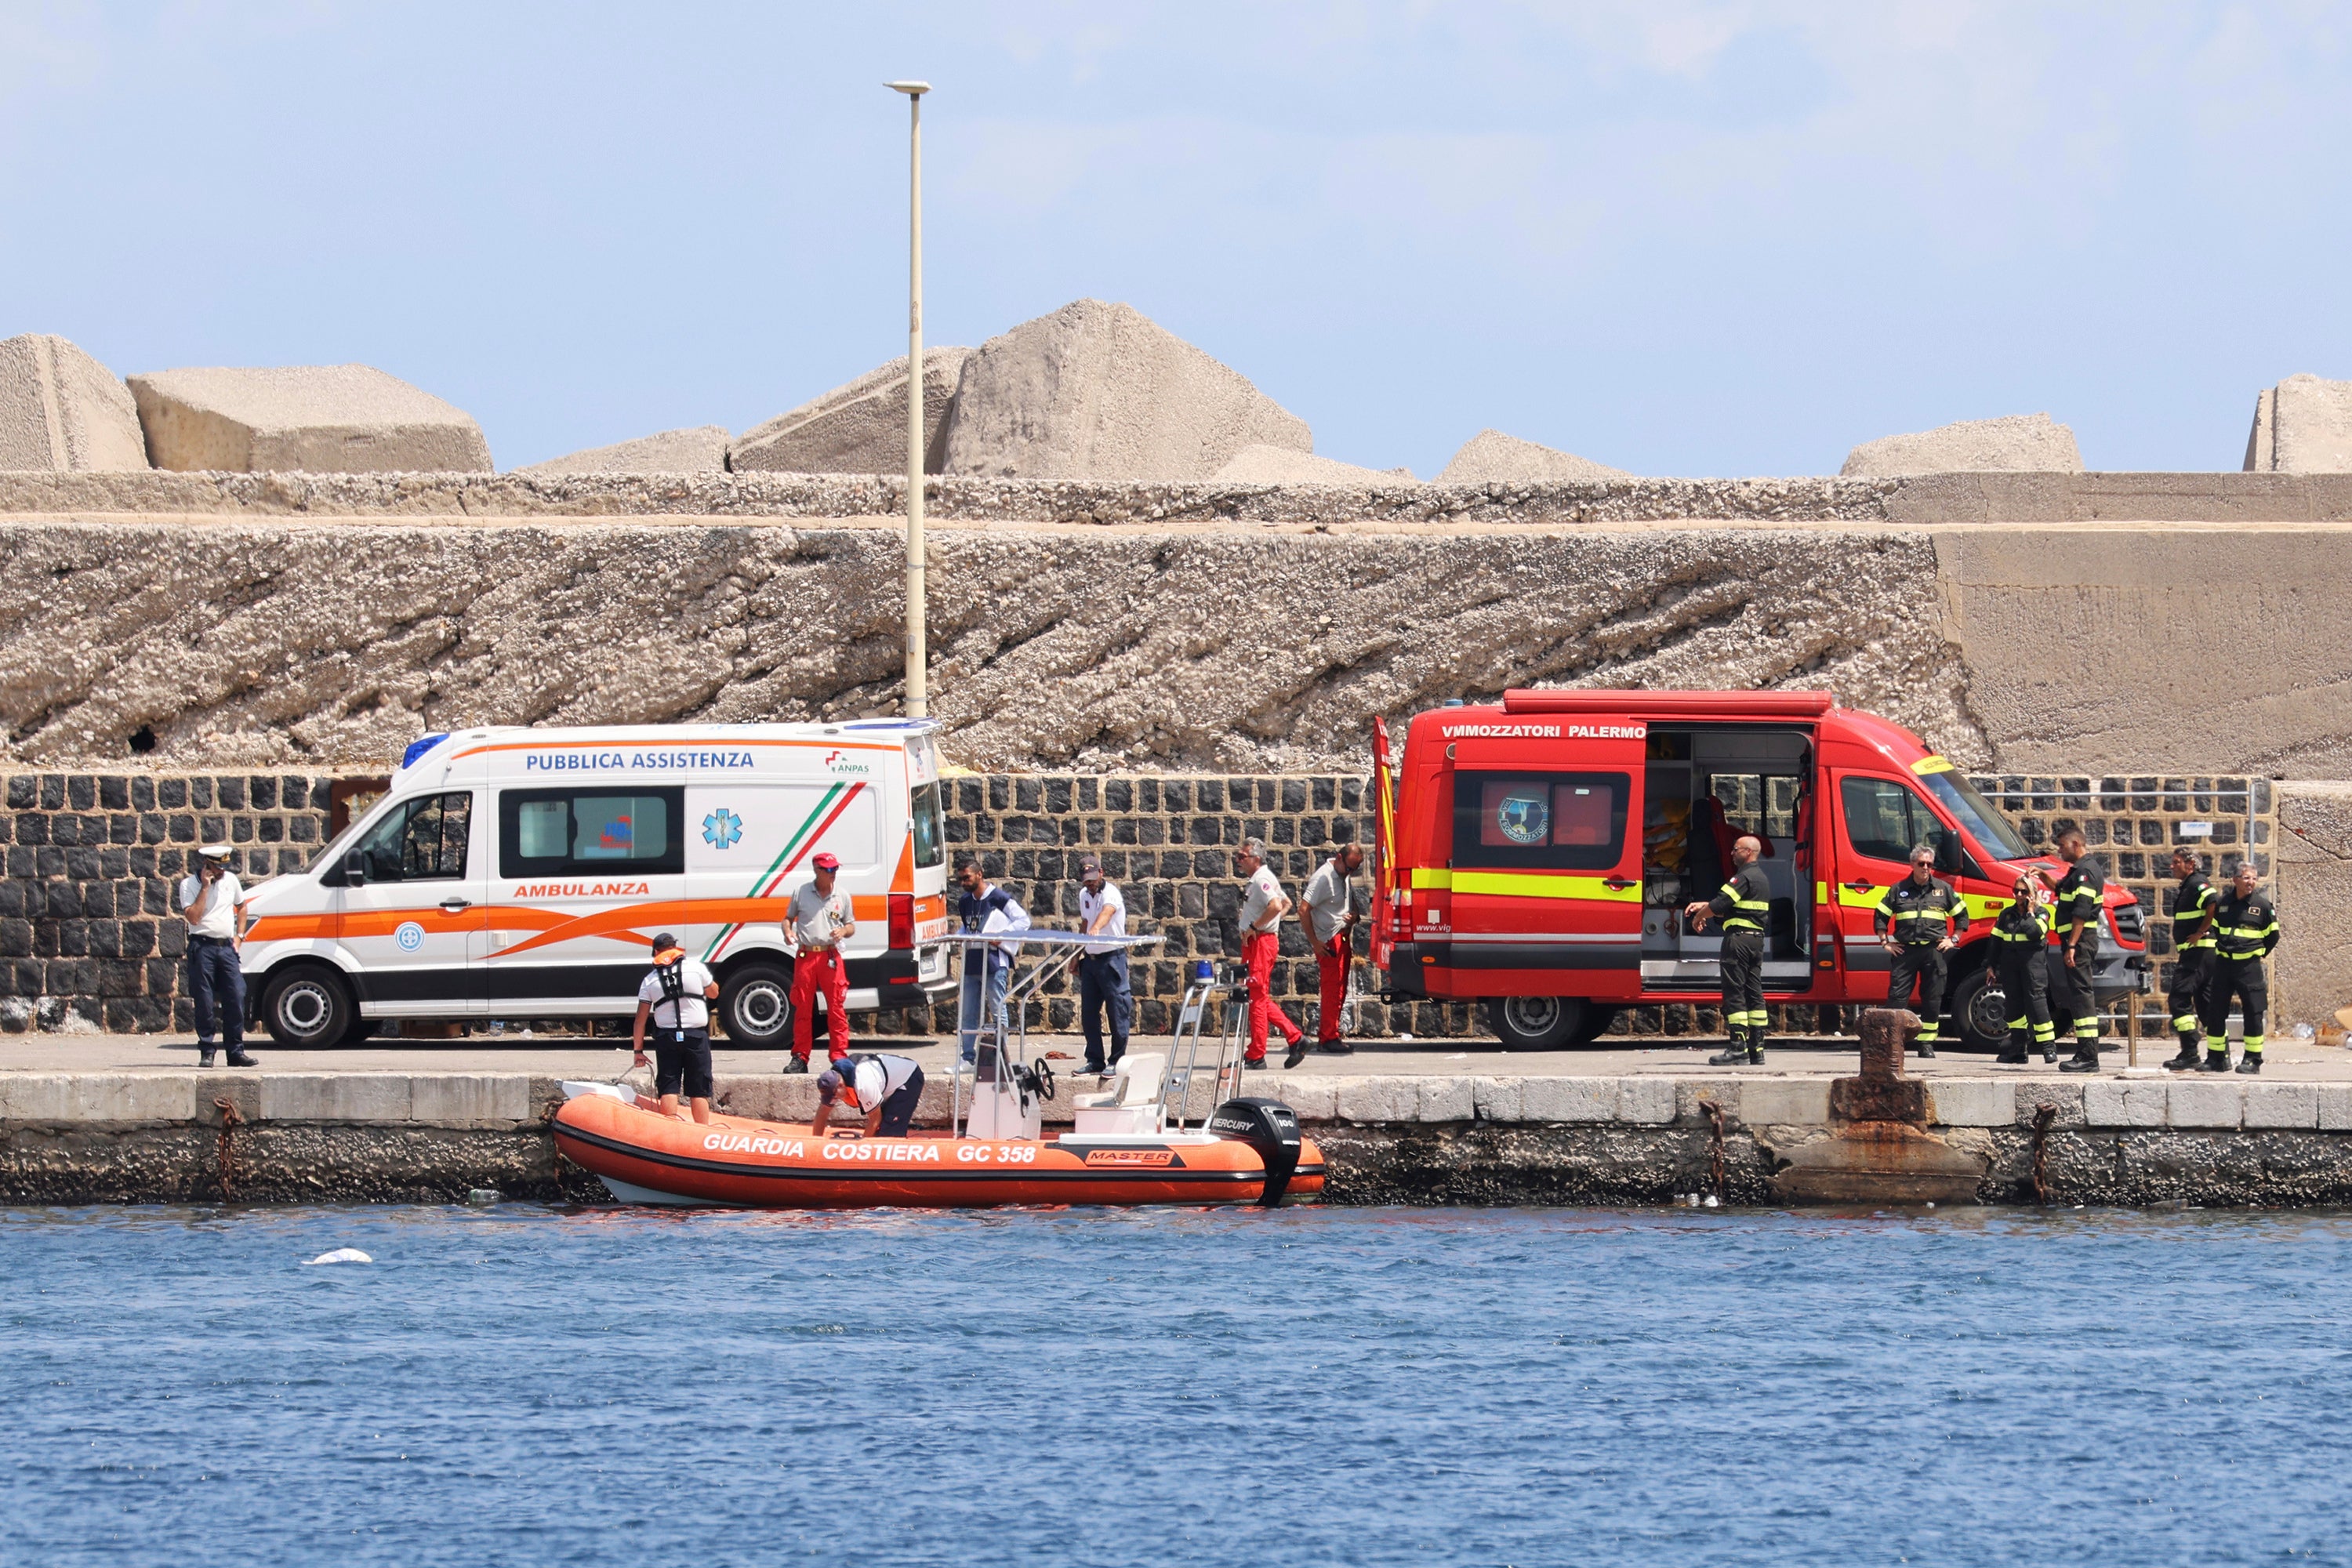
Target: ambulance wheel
x=1981, y=1010
x=1593, y=1024
x=1535, y=1023
x=307, y=1008
x=755, y=1006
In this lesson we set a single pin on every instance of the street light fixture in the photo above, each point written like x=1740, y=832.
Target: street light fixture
x=918, y=702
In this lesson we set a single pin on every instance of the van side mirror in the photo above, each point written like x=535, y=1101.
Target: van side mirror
x=355, y=869
x=1948, y=851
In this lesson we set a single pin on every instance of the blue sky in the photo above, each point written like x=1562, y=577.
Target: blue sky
x=1678, y=237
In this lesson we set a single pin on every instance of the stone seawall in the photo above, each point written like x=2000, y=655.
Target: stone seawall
x=178, y=1137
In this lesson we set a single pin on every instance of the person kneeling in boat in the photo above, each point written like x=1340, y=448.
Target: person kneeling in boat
x=881, y=1088
x=677, y=996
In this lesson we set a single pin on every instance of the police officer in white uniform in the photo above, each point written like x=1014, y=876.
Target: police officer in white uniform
x=211, y=901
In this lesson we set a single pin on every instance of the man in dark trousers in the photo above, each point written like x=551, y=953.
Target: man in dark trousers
x=1919, y=922
x=212, y=902
x=2021, y=949
x=2245, y=929
x=2080, y=907
x=1741, y=908
x=881, y=1089
x=2192, y=954
x=1102, y=971
x=674, y=997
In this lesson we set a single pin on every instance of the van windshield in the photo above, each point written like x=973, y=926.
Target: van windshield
x=1975, y=814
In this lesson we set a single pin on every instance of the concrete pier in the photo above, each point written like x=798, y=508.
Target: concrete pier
x=129, y=1118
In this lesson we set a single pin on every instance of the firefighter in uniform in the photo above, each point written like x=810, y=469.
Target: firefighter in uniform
x=2245, y=929
x=2192, y=954
x=1741, y=908
x=2080, y=897
x=1918, y=921
x=2023, y=951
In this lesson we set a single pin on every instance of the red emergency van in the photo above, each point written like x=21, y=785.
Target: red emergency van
x=1536, y=857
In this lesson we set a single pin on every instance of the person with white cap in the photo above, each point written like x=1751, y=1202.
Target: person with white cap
x=212, y=900
x=1102, y=968
x=816, y=920
x=676, y=996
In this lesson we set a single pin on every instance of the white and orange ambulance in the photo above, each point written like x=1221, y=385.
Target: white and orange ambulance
x=523, y=873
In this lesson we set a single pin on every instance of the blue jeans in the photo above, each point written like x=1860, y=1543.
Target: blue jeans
x=973, y=1015
x=1102, y=979
x=216, y=983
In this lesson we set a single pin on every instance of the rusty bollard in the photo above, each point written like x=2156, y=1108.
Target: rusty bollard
x=1879, y=1150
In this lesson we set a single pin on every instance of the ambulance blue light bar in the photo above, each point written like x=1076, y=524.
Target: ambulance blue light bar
x=417, y=748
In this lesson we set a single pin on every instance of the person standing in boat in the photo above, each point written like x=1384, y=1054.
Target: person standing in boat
x=676, y=997
x=1264, y=904
x=817, y=919
x=984, y=907
x=882, y=1089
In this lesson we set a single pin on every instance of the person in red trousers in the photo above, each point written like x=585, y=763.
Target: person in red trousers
x=1328, y=910
x=818, y=920
x=1263, y=907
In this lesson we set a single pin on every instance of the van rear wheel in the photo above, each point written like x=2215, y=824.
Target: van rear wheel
x=755, y=1006
x=1980, y=1009
x=1535, y=1023
x=307, y=1008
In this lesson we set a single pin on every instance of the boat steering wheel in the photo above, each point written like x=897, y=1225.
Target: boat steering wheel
x=1042, y=1075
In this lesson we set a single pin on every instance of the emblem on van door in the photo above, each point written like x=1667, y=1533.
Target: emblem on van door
x=721, y=828
x=1523, y=818
x=409, y=935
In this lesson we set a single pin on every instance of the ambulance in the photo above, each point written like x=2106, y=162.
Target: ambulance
x=1535, y=857
x=523, y=873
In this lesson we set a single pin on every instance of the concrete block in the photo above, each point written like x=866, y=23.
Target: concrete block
x=1496, y=1099
x=1097, y=391
x=336, y=1096
x=701, y=450
x=1262, y=465
x=1312, y=1098
x=1492, y=458
x=460, y=1097
x=2123, y=1102
x=857, y=429
x=322, y=420
x=1971, y=1101
x=1690, y=1092
x=1785, y=1103
x=2335, y=1107
x=62, y=411
x=2033, y=442
x=1448, y=1100
x=1567, y=1100
x=2301, y=426
x=33, y=1096
x=98, y=1097
x=2065, y=1094
x=2292, y=1105
x=1378, y=1098
x=2205, y=1102
x=1645, y=1101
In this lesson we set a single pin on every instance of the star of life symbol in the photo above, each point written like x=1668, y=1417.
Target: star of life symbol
x=721, y=828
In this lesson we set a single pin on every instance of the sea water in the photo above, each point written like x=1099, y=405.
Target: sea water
x=528, y=1385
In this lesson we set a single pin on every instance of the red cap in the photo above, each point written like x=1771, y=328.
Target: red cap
x=827, y=860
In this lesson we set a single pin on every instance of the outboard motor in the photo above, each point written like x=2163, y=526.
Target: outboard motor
x=1272, y=1129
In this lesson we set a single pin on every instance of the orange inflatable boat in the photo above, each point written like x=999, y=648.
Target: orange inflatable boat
x=1248, y=1151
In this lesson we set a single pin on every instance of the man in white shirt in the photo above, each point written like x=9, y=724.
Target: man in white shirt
x=818, y=920
x=1263, y=907
x=883, y=1089
x=675, y=997
x=1102, y=967
x=981, y=907
x=1330, y=902
x=212, y=902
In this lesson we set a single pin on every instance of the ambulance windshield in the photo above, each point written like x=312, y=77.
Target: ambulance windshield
x=1988, y=826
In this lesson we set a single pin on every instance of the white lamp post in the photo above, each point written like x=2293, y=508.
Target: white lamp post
x=918, y=648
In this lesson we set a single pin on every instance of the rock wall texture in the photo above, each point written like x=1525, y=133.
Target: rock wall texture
x=700, y=450
x=2314, y=886
x=258, y=644
x=62, y=410
x=1492, y=458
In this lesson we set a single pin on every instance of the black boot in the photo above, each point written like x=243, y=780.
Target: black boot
x=2013, y=1054
x=2217, y=1061
x=238, y=1058
x=1735, y=1053
x=1755, y=1048
x=2189, y=1058
x=204, y=1055
x=798, y=1064
x=2079, y=1062
x=2251, y=1062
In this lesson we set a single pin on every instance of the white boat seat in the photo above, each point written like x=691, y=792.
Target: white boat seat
x=1135, y=1081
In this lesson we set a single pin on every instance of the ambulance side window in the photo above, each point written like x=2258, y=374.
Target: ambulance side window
x=1555, y=822
x=420, y=840
x=923, y=819
x=590, y=831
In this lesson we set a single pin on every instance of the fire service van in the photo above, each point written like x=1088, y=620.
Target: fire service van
x=1536, y=857
x=519, y=873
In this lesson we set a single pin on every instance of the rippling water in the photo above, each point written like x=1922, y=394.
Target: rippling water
x=523, y=1386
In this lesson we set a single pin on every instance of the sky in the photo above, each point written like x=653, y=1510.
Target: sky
x=1677, y=237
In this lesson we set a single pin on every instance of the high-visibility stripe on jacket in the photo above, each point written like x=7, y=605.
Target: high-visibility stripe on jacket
x=2244, y=928
x=2192, y=901
x=1923, y=916
x=1745, y=902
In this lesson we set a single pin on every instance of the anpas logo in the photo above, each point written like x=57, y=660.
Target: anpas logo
x=841, y=765
x=721, y=828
